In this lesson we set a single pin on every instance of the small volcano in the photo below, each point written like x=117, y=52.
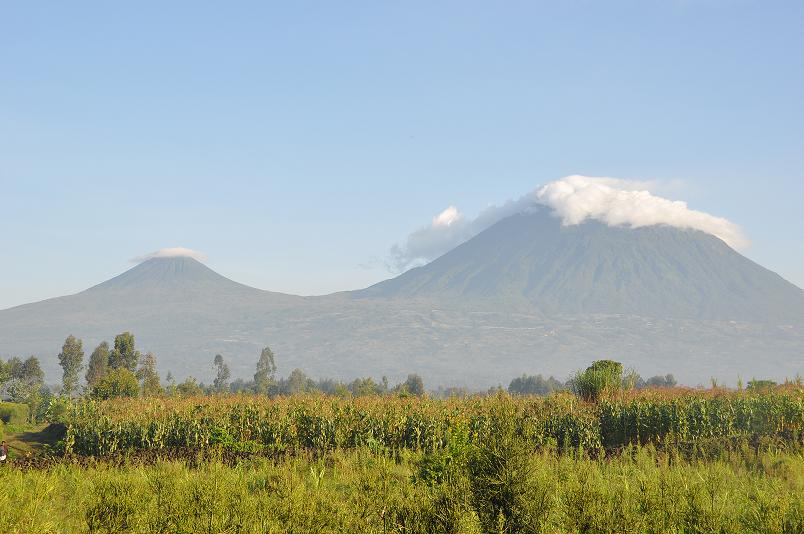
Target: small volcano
x=171, y=274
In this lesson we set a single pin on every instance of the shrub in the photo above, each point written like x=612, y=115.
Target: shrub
x=117, y=383
x=505, y=491
x=190, y=388
x=600, y=377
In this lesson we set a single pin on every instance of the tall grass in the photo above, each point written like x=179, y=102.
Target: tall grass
x=497, y=486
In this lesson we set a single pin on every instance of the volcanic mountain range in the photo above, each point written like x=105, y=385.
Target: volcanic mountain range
x=528, y=294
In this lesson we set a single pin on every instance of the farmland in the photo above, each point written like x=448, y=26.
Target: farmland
x=320, y=423
x=651, y=461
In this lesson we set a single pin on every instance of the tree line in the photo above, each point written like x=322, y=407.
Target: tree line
x=119, y=369
x=539, y=385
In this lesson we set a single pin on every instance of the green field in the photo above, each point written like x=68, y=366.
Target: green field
x=656, y=461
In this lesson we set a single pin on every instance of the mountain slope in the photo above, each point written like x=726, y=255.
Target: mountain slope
x=655, y=271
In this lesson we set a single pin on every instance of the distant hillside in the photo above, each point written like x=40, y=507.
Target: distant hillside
x=657, y=271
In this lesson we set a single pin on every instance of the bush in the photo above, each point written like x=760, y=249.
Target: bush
x=13, y=413
x=56, y=409
x=600, y=377
x=505, y=492
x=117, y=383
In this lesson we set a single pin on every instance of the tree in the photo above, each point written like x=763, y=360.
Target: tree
x=658, y=381
x=124, y=355
x=98, y=365
x=5, y=375
x=414, y=385
x=9, y=372
x=148, y=376
x=189, y=388
x=362, y=387
x=602, y=376
x=297, y=382
x=119, y=382
x=25, y=383
x=170, y=385
x=534, y=385
x=266, y=368
x=222, y=375
x=71, y=360
x=239, y=385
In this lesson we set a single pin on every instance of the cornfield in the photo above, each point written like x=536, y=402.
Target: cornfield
x=322, y=424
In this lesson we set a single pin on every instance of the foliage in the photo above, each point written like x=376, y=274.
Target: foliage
x=264, y=378
x=222, y=375
x=659, y=381
x=124, y=355
x=148, y=377
x=414, y=385
x=534, y=385
x=71, y=360
x=189, y=388
x=56, y=409
x=320, y=423
x=603, y=376
x=296, y=383
x=25, y=383
x=98, y=365
x=641, y=491
x=501, y=470
x=118, y=382
x=13, y=413
x=361, y=387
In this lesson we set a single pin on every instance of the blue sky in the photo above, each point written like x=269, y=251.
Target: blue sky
x=294, y=143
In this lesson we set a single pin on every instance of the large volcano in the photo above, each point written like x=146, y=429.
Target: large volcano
x=591, y=268
x=526, y=295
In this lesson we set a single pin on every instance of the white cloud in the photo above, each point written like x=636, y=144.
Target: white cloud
x=575, y=199
x=622, y=203
x=175, y=252
x=447, y=230
x=447, y=217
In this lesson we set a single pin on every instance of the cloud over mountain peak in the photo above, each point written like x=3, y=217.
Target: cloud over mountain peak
x=173, y=252
x=624, y=203
x=575, y=199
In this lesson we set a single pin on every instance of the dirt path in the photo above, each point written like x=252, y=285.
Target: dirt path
x=31, y=440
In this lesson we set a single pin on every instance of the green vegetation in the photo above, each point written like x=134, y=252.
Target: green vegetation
x=605, y=452
x=13, y=413
x=319, y=423
x=117, y=382
x=497, y=487
x=603, y=376
x=71, y=360
x=534, y=385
